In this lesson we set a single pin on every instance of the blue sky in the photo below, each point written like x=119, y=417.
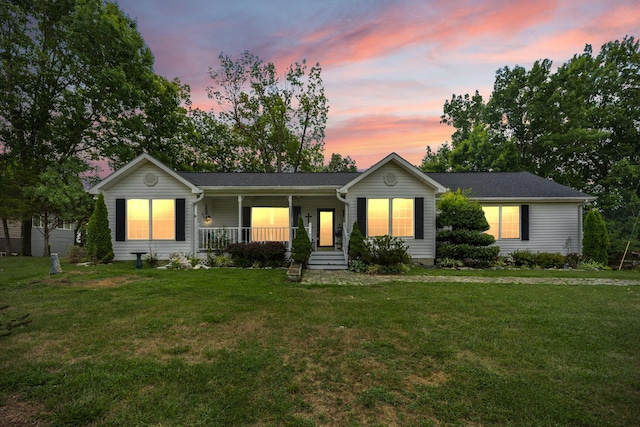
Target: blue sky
x=387, y=66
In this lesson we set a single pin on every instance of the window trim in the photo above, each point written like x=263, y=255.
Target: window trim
x=123, y=226
x=519, y=216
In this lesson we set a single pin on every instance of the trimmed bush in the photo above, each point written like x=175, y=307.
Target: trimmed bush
x=595, y=242
x=267, y=254
x=527, y=258
x=301, y=250
x=99, y=247
x=461, y=223
x=357, y=247
x=387, y=251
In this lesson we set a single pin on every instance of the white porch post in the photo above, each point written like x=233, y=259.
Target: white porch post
x=240, y=239
x=290, y=197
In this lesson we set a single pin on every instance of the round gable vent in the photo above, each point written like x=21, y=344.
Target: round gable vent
x=391, y=179
x=150, y=179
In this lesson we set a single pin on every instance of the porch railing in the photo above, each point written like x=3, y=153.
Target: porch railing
x=213, y=238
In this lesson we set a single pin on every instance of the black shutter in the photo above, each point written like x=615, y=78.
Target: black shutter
x=121, y=220
x=418, y=217
x=524, y=222
x=180, y=220
x=297, y=211
x=246, y=222
x=361, y=215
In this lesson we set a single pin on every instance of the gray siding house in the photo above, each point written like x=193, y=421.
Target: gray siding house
x=153, y=208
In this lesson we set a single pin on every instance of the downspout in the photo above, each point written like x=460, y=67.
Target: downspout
x=345, y=230
x=194, y=237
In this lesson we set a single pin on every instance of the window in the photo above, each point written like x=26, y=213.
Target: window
x=504, y=221
x=150, y=219
x=38, y=222
x=390, y=214
x=270, y=224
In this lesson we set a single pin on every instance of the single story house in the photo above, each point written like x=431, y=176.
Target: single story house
x=60, y=239
x=153, y=208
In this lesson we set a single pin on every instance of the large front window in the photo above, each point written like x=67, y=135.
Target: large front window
x=269, y=224
x=504, y=221
x=150, y=219
x=392, y=217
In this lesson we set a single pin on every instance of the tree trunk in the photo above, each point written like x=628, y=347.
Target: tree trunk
x=25, y=237
x=7, y=237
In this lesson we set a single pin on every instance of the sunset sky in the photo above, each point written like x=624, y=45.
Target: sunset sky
x=387, y=66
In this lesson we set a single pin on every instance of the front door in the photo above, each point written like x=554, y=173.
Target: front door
x=325, y=227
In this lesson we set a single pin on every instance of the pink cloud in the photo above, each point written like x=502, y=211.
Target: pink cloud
x=367, y=139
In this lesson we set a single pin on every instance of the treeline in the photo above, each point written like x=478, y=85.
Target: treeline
x=578, y=125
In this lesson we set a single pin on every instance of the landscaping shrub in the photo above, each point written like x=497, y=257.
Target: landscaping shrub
x=573, y=260
x=252, y=254
x=99, y=247
x=461, y=224
x=528, y=258
x=595, y=242
x=76, y=254
x=387, y=250
x=357, y=247
x=301, y=250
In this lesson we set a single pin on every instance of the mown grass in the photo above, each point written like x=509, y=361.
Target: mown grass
x=111, y=346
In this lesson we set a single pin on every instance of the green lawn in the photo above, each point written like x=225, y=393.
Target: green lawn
x=111, y=346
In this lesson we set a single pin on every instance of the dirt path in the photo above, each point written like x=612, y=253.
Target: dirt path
x=345, y=277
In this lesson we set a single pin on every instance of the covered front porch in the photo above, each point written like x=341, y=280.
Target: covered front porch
x=224, y=220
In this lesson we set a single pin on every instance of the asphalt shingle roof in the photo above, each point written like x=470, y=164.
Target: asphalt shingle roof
x=505, y=184
x=480, y=184
x=247, y=179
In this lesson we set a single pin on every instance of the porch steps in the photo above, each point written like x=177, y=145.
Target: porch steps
x=327, y=260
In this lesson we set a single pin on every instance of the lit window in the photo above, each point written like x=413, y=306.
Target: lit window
x=390, y=214
x=138, y=219
x=163, y=223
x=270, y=224
x=150, y=220
x=504, y=221
x=402, y=217
x=377, y=217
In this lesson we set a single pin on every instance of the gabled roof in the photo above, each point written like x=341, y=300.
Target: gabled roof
x=394, y=158
x=134, y=165
x=508, y=185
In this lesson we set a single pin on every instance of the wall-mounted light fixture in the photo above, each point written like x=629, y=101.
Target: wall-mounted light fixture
x=205, y=214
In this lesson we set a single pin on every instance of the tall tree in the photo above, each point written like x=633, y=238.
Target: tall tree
x=281, y=124
x=579, y=126
x=337, y=163
x=77, y=82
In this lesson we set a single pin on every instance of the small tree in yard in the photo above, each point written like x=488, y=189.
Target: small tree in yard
x=99, y=247
x=301, y=250
x=357, y=247
x=595, y=242
x=461, y=225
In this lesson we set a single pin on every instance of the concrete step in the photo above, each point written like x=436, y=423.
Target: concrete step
x=327, y=260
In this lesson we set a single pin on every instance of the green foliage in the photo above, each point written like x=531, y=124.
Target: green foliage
x=530, y=259
x=253, y=254
x=301, y=250
x=99, y=246
x=357, y=248
x=457, y=211
x=595, y=241
x=76, y=254
x=280, y=124
x=337, y=163
x=461, y=223
x=577, y=125
x=387, y=251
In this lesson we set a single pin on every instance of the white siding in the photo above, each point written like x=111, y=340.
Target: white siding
x=133, y=187
x=407, y=186
x=553, y=227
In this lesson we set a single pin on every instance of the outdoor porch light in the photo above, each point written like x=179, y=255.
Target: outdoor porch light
x=205, y=214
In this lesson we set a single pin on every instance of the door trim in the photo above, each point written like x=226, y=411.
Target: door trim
x=333, y=224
